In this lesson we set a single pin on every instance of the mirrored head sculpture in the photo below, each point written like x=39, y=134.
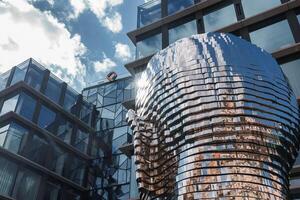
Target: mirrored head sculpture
x=215, y=119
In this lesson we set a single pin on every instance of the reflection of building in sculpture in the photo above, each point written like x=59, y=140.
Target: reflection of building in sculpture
x=215, y=118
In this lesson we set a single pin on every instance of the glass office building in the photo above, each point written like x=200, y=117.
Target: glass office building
x=46, y=132
x=273, y=25
x=115, y=178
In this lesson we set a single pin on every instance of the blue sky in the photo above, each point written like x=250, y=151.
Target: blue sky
x=79, y=40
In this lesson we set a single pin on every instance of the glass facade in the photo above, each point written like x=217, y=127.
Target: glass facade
x=149, y=13
x=292, y=71
x=48, y=134
x=219, y=18
x=113, y=130
x=273, y=37
x=254, y=7
x=178, y=5
x=149, y=46
x=181, y=31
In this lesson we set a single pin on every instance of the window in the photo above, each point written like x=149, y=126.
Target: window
x=70, y=101
x=292, y=71
x=86, y=112
x=64, y=130
x=219, y=18
x=178, y=5
x=47, y=119
x=298, y=18
x=20, y=71
x=3, y=79
x=184, y=30
x=8, y=171
x=9, y=105
x=81, y=140
x=53, y=89
x=273, y=37
x=34, y=77
x=52, y=191
x=77, y=169
x=28, y=185
x=26, y=106
x=37, y=150
x=149, y=46
x=58, y=160
x=12, y=136
x=149, y=13
x=254, y=7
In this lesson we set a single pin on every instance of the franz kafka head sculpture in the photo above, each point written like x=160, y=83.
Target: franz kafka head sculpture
x=215, y=118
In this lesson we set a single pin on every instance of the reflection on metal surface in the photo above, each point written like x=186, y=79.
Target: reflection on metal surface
x=215, y=118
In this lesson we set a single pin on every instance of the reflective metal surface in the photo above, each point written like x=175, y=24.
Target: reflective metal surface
x=215, y=119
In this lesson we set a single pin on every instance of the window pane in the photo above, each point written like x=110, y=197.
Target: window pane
x=9, y=105
x=76, y=171
x=16, y=136
x=34, y=77
x=86, y=112
x=70, y=101
x=19, y=74
x=274, y=37
x=28, y=186
x=64, y=130
x=298, y=18
x=177, y=5
x=8, y=172
x=149, y=46
x=52, y=191
x=292, y=71
x=81, y=140
x=254, y=7
x=47, y=119
x=219, y=18
x=37, y=150
x=3, y=79
x=59, y=157
x=26, y=106
x=53, y=89
x=184, y=30
x=149, y=13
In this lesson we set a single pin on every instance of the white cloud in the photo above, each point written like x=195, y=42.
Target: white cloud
x=103, y=9
x=122, y=51
x=104, y=65
x=29, y=32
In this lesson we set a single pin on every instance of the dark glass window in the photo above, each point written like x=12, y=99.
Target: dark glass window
x=273, y=37
x=292, y=71
x=53, y=89
x=52, y=191
x=184, y=30
x=13, y=137
x=178, y=5
x=149, y=46
x=58, y=160
x=70, y=194
x=149, y=13
x=77, y=169
x=86, y=112
x=254, y=7
x=20, y=71
x=9, y=104
x=8, y=171
x=81, y=140
x=34, y=77
x=47, y=119
x=217, y=19
x=64, y=130
x=70, y=101
x=28, y=185
x=37, y=149
x=298, y=18
x=26, y=106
